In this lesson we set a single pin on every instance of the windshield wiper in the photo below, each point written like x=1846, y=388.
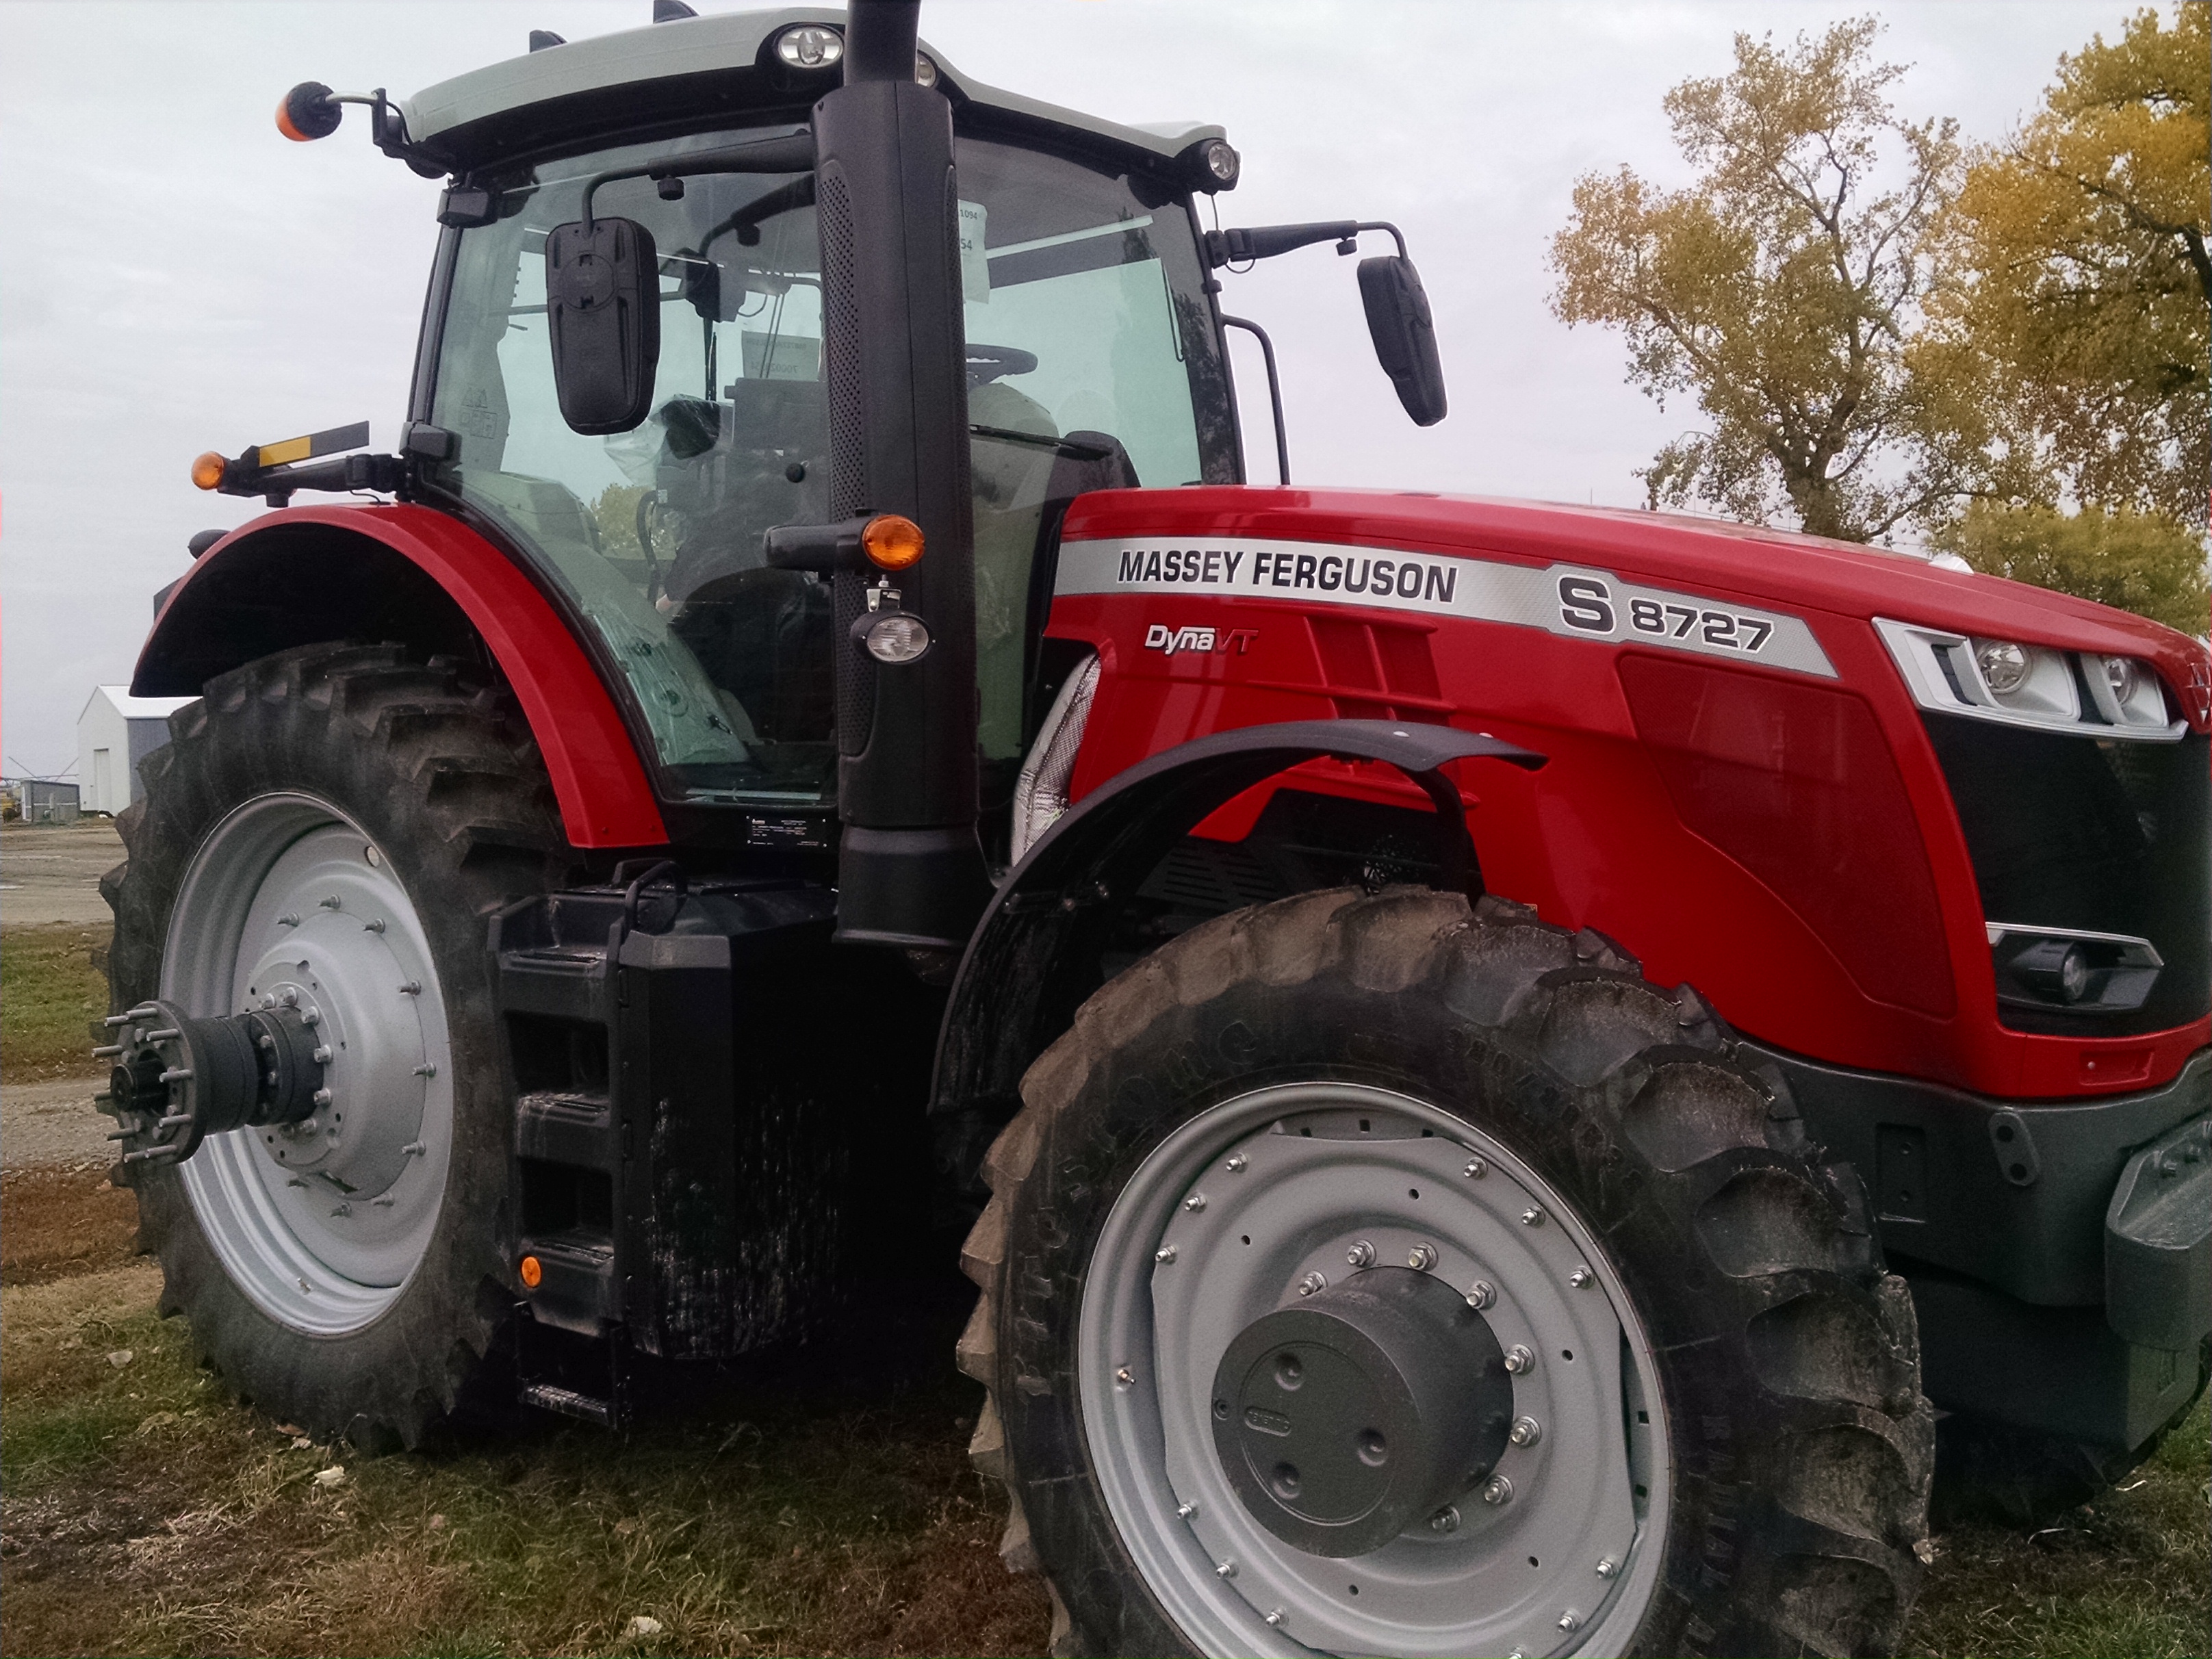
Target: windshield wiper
x=1039, y=440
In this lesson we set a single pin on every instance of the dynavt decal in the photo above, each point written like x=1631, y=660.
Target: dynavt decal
x=1572, y=601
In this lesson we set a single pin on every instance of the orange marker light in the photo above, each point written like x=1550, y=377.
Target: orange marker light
x=207, y=470
x=531, y=1273
x=890, y=542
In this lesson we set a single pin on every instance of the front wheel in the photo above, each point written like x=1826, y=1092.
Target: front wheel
x=1365, y=1276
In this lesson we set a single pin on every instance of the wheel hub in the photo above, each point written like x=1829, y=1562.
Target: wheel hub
x=1366, y=1410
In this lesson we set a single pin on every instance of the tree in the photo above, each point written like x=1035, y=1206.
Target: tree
x=2138, y=561
x=1779, y=290
x=2076, y=306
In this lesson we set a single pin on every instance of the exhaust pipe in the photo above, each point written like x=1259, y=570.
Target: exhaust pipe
x=911, y=870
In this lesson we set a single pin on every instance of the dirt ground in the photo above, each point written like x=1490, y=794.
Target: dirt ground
x=50, y=873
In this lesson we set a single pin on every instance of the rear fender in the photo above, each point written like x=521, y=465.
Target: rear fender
x=1035, y=955
x=409, y=574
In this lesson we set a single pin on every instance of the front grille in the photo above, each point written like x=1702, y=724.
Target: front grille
x=2106, y=837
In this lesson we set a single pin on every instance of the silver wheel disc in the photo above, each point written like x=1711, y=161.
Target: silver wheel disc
x=1281, y=1188
x=320, y=1223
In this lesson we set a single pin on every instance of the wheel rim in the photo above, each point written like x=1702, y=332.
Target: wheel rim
x=321, y=1224
x=1307, y=1172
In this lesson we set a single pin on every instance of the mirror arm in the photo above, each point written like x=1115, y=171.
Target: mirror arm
x=1224, y=247
x=1275, y=392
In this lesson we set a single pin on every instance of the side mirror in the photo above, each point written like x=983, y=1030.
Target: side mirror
x=603, y=312
x=1405, y=335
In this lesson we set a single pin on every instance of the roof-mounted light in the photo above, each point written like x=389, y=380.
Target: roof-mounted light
x=810, y=46
x=925, y=69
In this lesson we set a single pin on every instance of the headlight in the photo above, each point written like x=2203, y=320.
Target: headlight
x=810, y=47
x=2003, y=666
x=894, y=638
x=2122, y=677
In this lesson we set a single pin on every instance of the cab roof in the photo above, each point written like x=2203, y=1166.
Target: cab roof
x=677, y=75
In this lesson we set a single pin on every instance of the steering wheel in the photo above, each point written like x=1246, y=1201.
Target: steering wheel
x=985, y=363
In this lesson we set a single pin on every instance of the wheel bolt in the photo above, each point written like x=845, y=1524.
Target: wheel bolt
x=1476, y=1169
x=290, y=998
x=1531, y=1217
x=322, y=1055
x=1273, y=1616
x=1225, y=1569
x=1480, y=1294
x=1126, y=1378
x=1194, y=1203
x=1498, y=1490
x=1608, y=1567
x=1518, y=1359
x=1581, y=1278
x=1570, y=1620
x=1236, y=1164
x=1526, y=1431
x=1312, y=1285
x=322, y=1097
x=1421, y=1258
x=329, y=902
x=1361, y=1254
x=1445, y=1520
x=1165, y=1255
x=1184, y=1511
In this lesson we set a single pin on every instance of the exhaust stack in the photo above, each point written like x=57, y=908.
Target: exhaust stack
x=912, y=871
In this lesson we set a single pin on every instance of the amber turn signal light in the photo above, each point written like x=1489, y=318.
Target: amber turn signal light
x=533, y=1272
x=207, y=470
x=890, y=542
x=308, y=113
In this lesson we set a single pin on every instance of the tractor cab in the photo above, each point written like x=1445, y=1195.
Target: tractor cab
x=1093, y=354
x=1093, y=358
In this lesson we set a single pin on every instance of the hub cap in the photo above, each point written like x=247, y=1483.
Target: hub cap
x=1356, y=1380
x=290, y=904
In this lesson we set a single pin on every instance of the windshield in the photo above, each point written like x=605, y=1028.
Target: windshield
x=1086, y=322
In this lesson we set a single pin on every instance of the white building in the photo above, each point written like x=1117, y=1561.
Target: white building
x=114, y=733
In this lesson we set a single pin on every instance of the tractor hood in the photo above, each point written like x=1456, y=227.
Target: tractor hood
x=1777, y=569
x=680, y=75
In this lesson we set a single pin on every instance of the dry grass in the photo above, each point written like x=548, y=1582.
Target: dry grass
x=50, y=992
x=822, y=1503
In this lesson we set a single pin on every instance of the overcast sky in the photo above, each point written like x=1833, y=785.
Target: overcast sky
x=174, y=277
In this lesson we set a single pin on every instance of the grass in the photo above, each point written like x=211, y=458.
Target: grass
x=50, y=992
x=821, y=1503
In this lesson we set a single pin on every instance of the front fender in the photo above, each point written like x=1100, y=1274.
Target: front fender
x=1033, y=958
x=408, y=573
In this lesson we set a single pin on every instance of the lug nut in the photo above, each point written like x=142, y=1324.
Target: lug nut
x=1225, y=1569
x=1581, y=1278
x=1608, y=1567
x=1498, y=1490
x=288, y=997
x=1184, y=1511
x=323, y=1097
x=1165, y=1255
x=1518, y=1359
x=1124, y=1377
x=1236, y=1164
x=329, y=901
x=1361, y=1254
x=1481, y=1294
x=1312, y=1285
x=1531, y=1217
x=1273, y=1616
x=1526, y=1431
x=425, y=1071
x=322, y=1055
x=1445, y=1520
x=1570, y=1620
x=1475, y=1169
x=1421, y=1258
x=1194, y=1203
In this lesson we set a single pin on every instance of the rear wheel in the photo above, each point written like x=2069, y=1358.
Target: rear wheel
x=328, y=829
x=1366, y=1277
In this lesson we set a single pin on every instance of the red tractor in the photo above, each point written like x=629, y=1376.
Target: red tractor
x=821, y=707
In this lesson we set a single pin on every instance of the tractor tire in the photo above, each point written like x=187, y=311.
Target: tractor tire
x=334, y=823
x=1738, y=1463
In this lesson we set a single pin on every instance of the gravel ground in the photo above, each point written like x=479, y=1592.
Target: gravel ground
x=50, y=873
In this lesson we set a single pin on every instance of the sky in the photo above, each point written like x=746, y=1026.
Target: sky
x=175, y=277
